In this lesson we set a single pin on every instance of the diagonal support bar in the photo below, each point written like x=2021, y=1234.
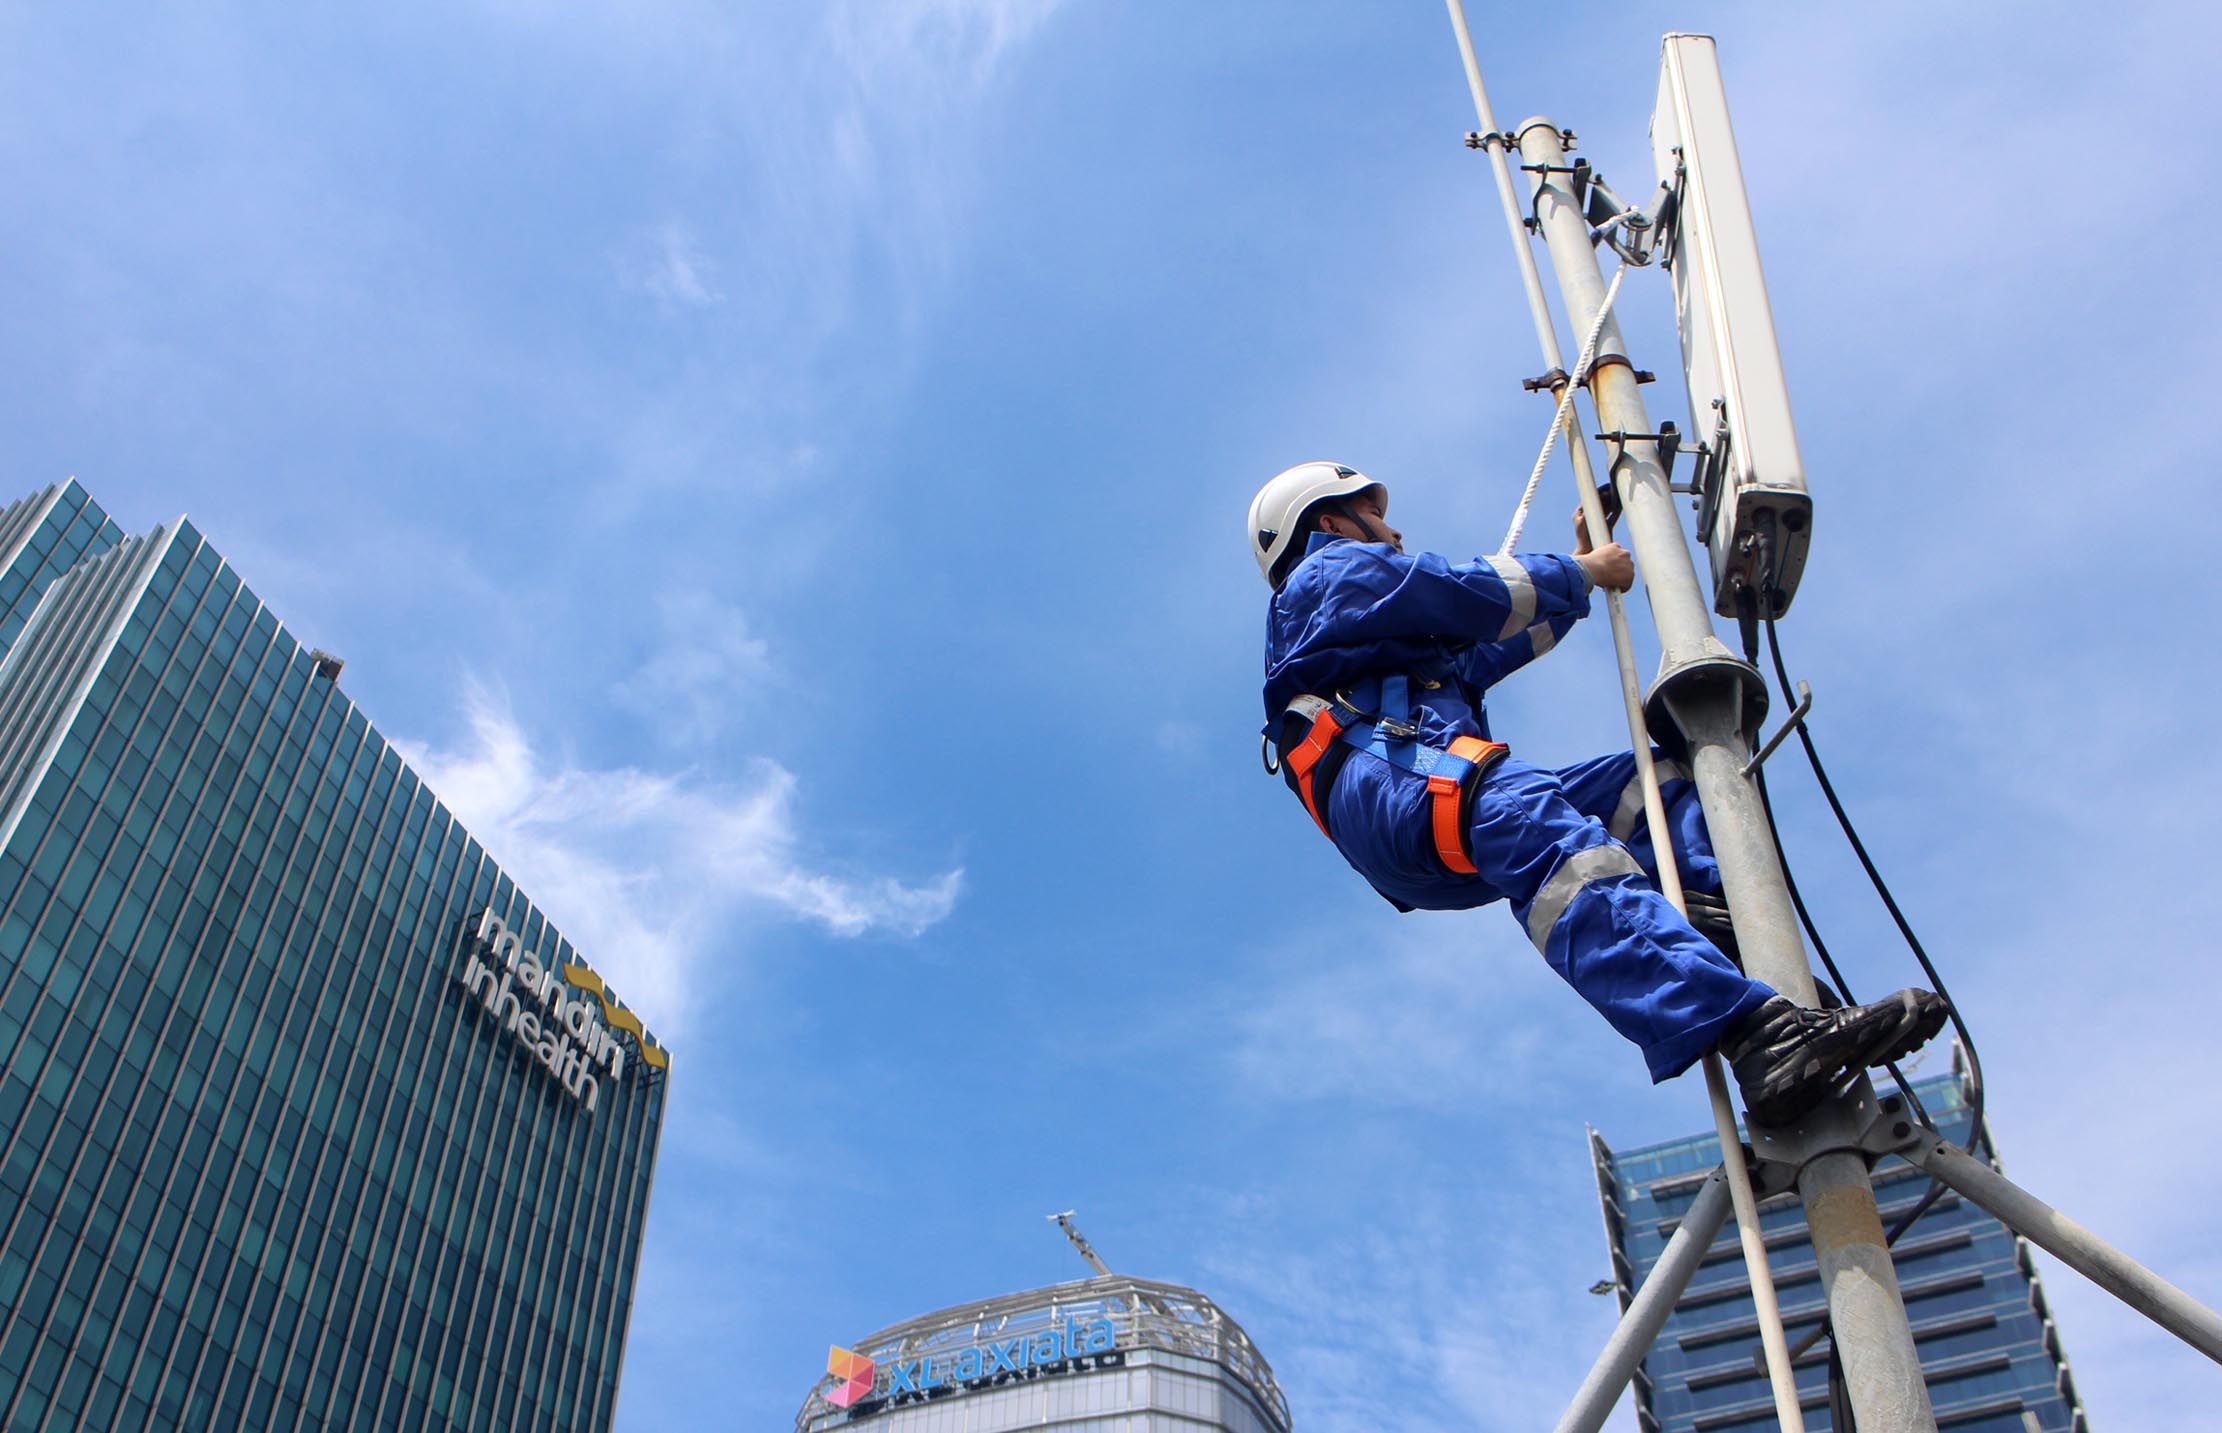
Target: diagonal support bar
x=2074, y=1245
x=1647, y=1313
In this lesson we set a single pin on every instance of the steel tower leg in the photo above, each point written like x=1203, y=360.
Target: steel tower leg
x=1647, y=1313
x=1713, y=700
x=2074, y=1245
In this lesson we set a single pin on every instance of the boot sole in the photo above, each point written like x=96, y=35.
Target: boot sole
x=1919, y=1016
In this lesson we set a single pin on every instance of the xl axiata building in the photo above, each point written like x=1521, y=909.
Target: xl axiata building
x=1102, y=1355
x=308, y=1118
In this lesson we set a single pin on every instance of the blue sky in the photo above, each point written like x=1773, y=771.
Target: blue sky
x=780, y=468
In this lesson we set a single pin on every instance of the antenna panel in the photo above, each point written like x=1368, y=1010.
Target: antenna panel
x=1753, y=498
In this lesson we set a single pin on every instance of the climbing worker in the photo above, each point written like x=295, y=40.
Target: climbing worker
x=1376, y=662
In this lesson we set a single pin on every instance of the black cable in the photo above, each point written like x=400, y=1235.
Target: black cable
x=1820, y=947
x=1812, y=929
x=1840, y=1396
x=1978, y=1129
x=1978, y=1134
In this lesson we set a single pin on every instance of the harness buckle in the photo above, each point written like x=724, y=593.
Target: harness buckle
x=1394, y=728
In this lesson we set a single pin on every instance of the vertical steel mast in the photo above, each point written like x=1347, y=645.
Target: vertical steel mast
x=1712, y=700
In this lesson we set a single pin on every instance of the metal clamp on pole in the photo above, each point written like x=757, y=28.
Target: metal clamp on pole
x=1669, y=437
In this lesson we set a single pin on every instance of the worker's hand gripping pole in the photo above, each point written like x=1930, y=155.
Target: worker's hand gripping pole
x=1779, y=1372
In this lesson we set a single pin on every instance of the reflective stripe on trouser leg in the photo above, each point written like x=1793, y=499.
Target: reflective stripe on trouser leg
x=1602, y=925
x=1630, y=953
x=1606, y=787
x=1580, y=869
x=1629, y=811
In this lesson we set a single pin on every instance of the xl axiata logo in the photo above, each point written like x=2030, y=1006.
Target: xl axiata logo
x=563, y=1014
x=1069, y=1346
x=853, y=1376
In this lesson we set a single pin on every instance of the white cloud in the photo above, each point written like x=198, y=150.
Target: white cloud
x=945, y=39
x=673, y=269
x=827, y=161
x=646, y=871
x=705, y=662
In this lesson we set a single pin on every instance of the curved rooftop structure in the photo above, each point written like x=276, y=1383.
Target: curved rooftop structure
x=1062, y=1356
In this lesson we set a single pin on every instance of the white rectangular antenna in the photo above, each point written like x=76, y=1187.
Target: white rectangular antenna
x=1753, y=506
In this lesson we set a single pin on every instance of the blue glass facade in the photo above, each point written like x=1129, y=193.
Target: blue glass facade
x=42, y=537
x=1989, y=1350
x=265, y=1161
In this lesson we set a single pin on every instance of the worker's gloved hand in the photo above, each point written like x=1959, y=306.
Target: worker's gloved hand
x=1609, y=567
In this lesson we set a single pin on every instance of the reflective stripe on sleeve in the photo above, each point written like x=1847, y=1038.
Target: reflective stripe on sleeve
x=1542, y=638
x=1519, y=591
x=1575, y=873
x=1630, y=809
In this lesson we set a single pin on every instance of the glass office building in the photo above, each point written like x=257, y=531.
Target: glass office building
x=1103, y=1355
x=41, y=538
x=1989, y=1350
x=308, y=1119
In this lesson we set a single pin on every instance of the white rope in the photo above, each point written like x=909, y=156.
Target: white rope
x=1558, y=419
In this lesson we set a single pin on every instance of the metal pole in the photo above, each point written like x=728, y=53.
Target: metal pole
x=2075, y=1246
x=1708, y=693
x=1494, y=145
x=1647, y=1313
x=1781, y=1374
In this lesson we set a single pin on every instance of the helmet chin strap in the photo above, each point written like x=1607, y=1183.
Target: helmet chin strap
x=1365, y=524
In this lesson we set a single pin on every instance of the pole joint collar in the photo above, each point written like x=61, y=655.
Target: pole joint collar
x=1714, y=678
x=1855, y=1122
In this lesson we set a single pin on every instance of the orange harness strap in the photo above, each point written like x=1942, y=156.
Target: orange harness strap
x=1305, y=760
x=1445, y=791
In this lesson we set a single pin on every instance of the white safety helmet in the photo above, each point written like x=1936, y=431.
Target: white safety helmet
x=1280, y=504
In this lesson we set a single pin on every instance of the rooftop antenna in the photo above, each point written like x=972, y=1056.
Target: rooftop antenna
x=1755, y=517
x=1080, y=1242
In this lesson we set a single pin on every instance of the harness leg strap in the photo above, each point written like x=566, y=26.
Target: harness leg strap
x=1304, y=761
x=1471, y=758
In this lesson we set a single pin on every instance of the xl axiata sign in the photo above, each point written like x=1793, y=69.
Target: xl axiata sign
x=563, y=1014
x=864, y=1385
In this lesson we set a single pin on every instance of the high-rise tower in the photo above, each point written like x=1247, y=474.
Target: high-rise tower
x=1989, y=1351
x=308, y=1117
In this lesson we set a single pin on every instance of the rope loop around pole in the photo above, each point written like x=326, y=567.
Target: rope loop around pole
x=1559, y=416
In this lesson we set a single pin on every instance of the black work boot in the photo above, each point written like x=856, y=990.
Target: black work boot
x=1788, y=1059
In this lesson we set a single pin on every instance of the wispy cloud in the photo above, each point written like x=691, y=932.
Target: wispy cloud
x=671, y=267
x=647, y=871
x=960, y=40
x=1439, y=1309
x=1450, y=1012
x=697, y=676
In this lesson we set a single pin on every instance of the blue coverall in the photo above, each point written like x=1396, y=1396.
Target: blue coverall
x=1569, y=848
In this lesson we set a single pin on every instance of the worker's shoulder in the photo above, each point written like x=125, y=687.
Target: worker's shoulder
x=1346, y=558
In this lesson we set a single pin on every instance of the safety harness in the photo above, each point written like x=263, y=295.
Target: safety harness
x=1318, y=735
